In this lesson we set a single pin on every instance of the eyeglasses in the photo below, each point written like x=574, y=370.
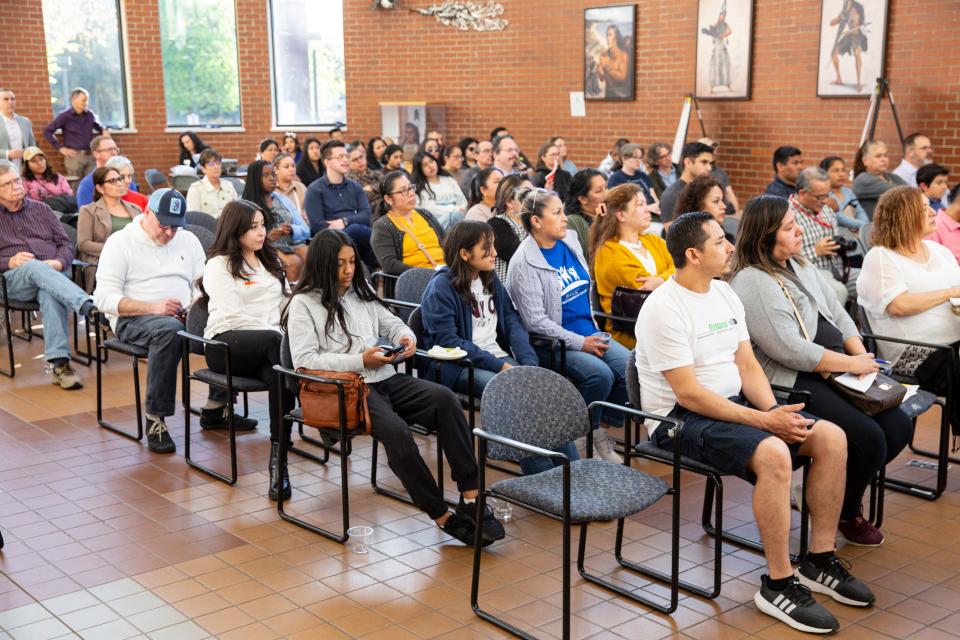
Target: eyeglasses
x=340, y=156
x=117, y=180
x=403, y=192
x=113, y=150
x=11, y=182
x=472, y=148
x=663, y=157
x=128, y=177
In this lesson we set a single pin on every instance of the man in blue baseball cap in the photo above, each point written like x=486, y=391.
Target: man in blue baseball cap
x=145, y=282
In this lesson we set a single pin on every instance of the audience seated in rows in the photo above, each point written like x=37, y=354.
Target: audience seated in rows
x=286, y=230
x=624, y=253
x=335, y=321
x=821, y=232
x=16, y=134
x=696, y=159
x=309, y=167
x=906, y=285
x=35, y=258
x=549, y=282
x=106, y=215
x=932, y=180
x=948, y=224
x=363, y=175
x=663, y=173
x=587, y=191
x=244, y=288
x=842, y=201
x=769, y=267
x=917, y=152
x=507, y=223
x=405, y=237
x=77, y=125
x=103, y=148
x=436, y=190
x=337, y=202
x=287, y=184
x=211, y=193
x=44, y=184
x=484, y=160
x=123, y=165
x=787, y=163
x=191, y=146
x=548, y=173
x=483, y=194
x=872, y=178
x=696, y=364
x=145, y=282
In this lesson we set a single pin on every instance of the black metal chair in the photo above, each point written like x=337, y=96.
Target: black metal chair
x=201, y=219
x=204, y=235
x=194, y=342
x=136, y=353
x=914, y=407
x=712, y=514
x=156, y=179
x=599, y=315
x=10, y=306
x=238, y=184
x=385, y=282
x=182, y=183
x=409, y=288
x=532, y=411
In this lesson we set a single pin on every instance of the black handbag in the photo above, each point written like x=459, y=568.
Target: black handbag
x=626, y=302
x=885, y=392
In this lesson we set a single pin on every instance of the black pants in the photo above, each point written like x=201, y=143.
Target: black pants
x=252, y=355
x=872, y=441
x=401, y=400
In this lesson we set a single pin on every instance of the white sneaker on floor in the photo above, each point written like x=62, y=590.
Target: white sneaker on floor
x=603, y=447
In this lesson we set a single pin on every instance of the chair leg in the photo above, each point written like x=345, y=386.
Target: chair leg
x=8, y=330
x=102, y=351
x=942, y=456
x=82, y=357
x=403, y=497
x=232, y=478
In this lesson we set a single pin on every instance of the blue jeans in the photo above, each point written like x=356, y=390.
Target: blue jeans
x=57, y=296
x=597, y=378
x=532, y=464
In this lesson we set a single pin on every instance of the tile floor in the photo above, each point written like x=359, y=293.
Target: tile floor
x=106, y=540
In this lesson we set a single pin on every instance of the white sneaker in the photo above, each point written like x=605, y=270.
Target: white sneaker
x=603, y=447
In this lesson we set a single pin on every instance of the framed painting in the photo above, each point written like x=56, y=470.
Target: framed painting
x=724, y=47
x=609, y=52
x=853, y=42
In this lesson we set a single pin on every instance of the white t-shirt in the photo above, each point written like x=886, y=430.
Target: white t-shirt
x=677, y=328
x=252, y=304
x=484, y=313
x=886, y=274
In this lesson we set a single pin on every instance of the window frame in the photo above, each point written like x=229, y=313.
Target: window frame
x=275, y=126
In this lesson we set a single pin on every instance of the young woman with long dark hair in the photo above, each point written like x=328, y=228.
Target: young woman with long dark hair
x=191, y=146
x=508, y=229
x=483, y=194
x=286, y=230
x=587, y=191
x=309, y=167
x=392, y=158
x=436, y=190
x=335, y=321
x=375, y=148
x=244, y=287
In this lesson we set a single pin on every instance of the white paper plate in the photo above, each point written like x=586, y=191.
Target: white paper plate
x=443, y=353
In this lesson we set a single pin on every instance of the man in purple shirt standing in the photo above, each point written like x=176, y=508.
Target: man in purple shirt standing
x=77, y=125
x=35, y=253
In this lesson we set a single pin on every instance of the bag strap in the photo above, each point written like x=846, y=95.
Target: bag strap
x=423, y=248
x=796, y=311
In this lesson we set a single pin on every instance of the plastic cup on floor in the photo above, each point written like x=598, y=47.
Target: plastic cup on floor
x=359, y=538
x=501, y=509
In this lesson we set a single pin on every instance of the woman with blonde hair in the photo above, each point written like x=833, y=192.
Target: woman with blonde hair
x=623, y=253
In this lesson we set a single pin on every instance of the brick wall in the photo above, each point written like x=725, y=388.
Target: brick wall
x=521, y=79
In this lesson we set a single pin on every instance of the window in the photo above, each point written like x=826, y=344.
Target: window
x=84, y=49
x=306, y=41
x=200, y=72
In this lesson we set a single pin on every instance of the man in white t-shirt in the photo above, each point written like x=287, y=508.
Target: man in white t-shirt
x=696, y=364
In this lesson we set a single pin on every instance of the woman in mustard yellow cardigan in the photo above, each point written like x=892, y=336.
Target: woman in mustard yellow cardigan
x=623, y=254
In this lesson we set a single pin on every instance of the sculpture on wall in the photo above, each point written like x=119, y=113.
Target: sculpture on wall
x=462, y=15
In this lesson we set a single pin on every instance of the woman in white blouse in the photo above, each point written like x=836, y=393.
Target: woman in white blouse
x=244, y=286
x=437, y=192
x=211, y=193
x=906, y=284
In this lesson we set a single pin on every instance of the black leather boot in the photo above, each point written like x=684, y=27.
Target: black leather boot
x=274, y=475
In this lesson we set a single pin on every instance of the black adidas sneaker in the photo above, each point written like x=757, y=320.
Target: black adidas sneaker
x=795, y=606
x=835, y=581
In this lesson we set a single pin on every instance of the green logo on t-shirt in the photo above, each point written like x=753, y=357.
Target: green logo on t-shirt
x=719, y=326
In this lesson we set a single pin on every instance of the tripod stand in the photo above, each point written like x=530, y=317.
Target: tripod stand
x=881, y=89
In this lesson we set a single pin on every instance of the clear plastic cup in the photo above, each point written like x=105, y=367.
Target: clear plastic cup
x=602, y=336
x=501, y=509
x=359, y=538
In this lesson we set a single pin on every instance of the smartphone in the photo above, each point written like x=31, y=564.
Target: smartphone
x=392, y=351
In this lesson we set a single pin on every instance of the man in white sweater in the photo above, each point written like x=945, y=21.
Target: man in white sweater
x=145, y=282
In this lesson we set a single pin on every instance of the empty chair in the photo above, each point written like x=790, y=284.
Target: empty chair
x=156, y=179
x=201, y=219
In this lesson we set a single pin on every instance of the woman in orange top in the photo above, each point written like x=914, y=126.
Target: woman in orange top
x=623, y=254
x=404, y=237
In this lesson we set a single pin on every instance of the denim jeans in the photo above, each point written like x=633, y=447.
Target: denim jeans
x=597, y=378
x=539, y=464
x=57, y=296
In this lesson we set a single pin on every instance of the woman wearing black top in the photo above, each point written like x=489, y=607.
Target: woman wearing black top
x=375, y=148
x=549, y=161
x=191, y=146
x=508, y=231
x=309, y=167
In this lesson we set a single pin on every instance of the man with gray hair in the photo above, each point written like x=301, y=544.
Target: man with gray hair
x=823, y=244
x=103, y=148
x=35, y=257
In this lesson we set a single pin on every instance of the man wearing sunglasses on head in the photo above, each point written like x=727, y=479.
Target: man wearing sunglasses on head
x=145, y=282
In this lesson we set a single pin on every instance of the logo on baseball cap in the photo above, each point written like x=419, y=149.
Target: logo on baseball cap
x=169, y=206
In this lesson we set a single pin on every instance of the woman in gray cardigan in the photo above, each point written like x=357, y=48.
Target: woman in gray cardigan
x=780, y=289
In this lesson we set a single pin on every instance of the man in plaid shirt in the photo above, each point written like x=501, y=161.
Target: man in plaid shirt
x=819, y=224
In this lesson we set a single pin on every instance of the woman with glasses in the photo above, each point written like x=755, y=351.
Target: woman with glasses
x=125, y=167
x=436, y=190
x=468, y=147
x=404, y=236
x=107, y=214
x=507, y=225
x=211, y=193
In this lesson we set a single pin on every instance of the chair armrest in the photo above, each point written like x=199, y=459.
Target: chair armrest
x=646, y=415
x=402, y=304
x=205, y=341
x=306, y=376
x=387, y=279
x=808, y=397
x=522, y=446
x=931, y=345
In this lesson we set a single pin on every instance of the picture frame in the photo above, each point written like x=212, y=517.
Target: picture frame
x=724, y=62
x=609, y=52
x=851, y=31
